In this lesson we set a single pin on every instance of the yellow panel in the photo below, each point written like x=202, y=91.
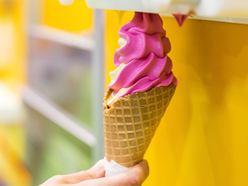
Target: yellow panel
x=13, y=47
x=202, y=139
x=14, y=135
x=13, y=171
x=12, y=73
x=75, y=17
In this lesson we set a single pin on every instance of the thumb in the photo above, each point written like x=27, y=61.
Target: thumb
x=133, y=177
x=138, y=173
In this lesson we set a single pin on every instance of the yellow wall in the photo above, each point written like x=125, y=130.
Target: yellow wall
x=12, y=168
x=76, y=17
x=203, y=137
x=13, y=74
x=13, y=61
x=12, y=43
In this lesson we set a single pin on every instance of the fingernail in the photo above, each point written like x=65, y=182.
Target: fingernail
x=99, y=169
x=99, y=165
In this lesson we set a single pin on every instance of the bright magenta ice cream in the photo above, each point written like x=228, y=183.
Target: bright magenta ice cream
x=180, y=18
x=142, y=62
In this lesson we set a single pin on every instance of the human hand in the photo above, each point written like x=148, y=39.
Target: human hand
x=95, y=177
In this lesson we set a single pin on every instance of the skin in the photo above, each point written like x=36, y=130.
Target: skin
x=95, y=176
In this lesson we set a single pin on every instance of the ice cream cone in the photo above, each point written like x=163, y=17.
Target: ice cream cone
x=131, y=122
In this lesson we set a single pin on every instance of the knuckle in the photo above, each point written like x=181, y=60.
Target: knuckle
x=134, y=180
x=87, y=175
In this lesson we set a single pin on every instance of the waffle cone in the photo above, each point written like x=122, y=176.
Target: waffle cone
x=131, y=122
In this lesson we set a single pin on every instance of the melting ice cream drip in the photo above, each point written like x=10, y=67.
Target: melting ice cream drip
x=180, y=18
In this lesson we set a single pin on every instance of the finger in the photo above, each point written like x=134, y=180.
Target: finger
x=134, y=177
x=140, y=172
x=96, y=171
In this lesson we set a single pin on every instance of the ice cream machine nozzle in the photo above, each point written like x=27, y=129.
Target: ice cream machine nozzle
x=206, y=8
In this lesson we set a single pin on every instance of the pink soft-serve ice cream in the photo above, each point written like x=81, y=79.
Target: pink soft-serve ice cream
x=139, y=93
x=142, y=61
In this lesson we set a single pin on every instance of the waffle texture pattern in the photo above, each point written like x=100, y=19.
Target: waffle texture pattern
x=131, y=122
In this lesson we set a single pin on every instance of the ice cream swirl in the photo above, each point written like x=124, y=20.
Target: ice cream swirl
x=142, y=62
